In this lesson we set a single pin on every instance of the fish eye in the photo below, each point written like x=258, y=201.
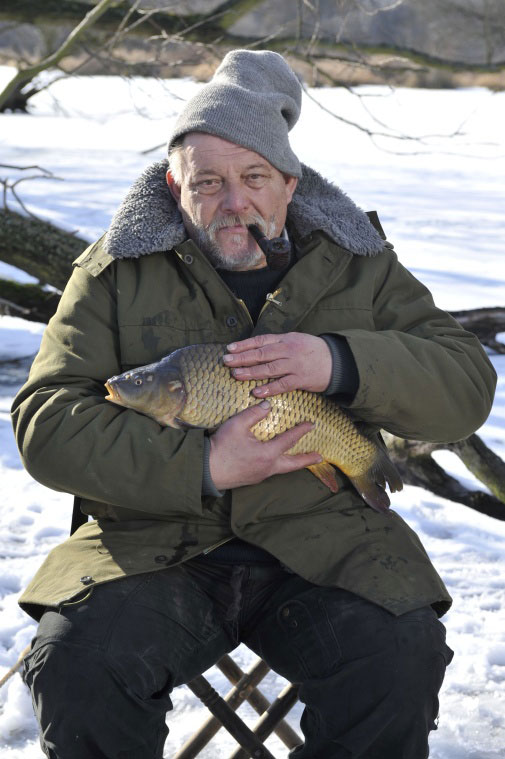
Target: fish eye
x=138, y=381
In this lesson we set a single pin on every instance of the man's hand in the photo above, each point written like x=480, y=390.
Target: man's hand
x=237, y=458
x=295, y=360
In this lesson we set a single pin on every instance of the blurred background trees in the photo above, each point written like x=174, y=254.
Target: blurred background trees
x=424, y=43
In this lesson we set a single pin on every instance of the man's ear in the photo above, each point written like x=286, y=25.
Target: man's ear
x=175, y=189
x=291, y=183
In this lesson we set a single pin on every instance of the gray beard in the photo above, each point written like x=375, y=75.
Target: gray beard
x=205, y=238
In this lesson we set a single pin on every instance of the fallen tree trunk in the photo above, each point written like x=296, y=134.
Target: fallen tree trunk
x=38, y=247
x=30, y=302
x=417, y=466
x=486, y=323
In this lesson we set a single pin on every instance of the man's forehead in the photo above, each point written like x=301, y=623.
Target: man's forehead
x=205, y=151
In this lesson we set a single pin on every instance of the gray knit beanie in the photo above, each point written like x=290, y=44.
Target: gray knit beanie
x=253, y=100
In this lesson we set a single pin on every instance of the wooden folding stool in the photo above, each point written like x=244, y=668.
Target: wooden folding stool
x=223, y=711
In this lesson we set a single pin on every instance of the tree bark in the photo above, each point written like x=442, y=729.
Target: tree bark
x=416, y=465
x=38, y=247
x=30, y=302
x=486, y=323
x=26, y=75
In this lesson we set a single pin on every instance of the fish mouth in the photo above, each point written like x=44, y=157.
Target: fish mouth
x=113, y=394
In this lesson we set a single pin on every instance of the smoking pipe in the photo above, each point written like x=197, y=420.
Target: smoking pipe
x=277, y=250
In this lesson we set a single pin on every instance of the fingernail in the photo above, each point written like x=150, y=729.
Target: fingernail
x=231, y=346
x=238, y=372
x=227, y=357
x=259, y=391
x=264, y=404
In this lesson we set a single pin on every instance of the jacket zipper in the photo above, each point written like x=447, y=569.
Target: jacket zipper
x=271, y=298
x=216, y=545
x=242, y=303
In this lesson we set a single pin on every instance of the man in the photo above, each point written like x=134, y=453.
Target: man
x=200, y=541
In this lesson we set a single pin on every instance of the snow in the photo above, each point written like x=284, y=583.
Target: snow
x=441, y=202
x=19, y=338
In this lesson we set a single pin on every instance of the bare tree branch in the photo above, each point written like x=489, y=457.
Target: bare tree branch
x=417, y=466
x=27, y=74
x=26, y=168
x=10, y=185
x=381, y=9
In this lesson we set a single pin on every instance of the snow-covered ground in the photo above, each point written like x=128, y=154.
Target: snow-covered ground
x=441, y=201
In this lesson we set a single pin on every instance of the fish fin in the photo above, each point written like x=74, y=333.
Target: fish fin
x=371, y=485
x=384, y=469
x=374, y=495
x=182, y=425
x=326, y=473
x=167, y=421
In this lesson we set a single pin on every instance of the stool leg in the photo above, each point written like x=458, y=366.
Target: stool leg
x=257, y=700
x=236, y=727
x=245, y=685
x=279, y=708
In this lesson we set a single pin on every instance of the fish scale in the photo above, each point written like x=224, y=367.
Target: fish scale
x=201, y=391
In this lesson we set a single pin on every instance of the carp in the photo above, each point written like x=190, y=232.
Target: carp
x=192, y=388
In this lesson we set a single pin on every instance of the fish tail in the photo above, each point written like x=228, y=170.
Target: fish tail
x=371, y=485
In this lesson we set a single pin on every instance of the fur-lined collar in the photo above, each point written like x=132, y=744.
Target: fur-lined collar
x=148, y=220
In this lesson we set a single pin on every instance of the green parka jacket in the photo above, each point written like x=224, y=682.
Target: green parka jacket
x=144, y=290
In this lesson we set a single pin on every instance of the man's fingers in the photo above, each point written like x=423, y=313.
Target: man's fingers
x=286, y=440
x=265, y=355
x=290, y=463
x=251, y=343
x=262, y=371
x=282, y=385
x=252, y=415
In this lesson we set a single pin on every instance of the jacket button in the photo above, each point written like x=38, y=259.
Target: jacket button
x=86, y=580
x=231, y=321
x=161, y=559
x=188, y=258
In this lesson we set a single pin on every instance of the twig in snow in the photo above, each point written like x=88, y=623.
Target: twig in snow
x=12, y=671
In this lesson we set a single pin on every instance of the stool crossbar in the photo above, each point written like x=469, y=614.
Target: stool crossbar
x=223, y=712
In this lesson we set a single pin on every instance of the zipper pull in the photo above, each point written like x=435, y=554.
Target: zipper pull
x=271, y=299
x=217, y=545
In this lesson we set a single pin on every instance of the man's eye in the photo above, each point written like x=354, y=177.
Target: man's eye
x=256, y=179
x=208, y=185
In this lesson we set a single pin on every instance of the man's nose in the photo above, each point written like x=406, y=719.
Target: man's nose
x=235, y=198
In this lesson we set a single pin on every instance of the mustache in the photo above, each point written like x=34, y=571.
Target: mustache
x=234, y=220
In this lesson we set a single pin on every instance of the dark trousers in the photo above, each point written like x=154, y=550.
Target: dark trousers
x=101, y=671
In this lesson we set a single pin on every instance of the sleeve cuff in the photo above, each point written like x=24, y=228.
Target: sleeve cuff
x=208, y=487
x=344, y=377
